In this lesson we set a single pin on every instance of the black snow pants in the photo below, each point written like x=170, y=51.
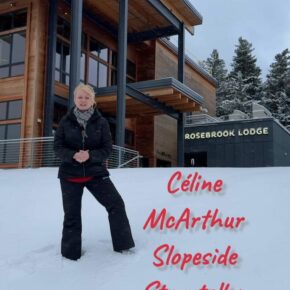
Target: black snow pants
x=106, y=194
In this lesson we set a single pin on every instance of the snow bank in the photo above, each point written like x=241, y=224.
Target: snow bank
x=31, y=222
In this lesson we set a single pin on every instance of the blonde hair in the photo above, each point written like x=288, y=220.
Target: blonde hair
x=88, y=89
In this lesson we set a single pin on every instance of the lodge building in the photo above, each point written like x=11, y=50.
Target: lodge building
x=255, y=142
x=144, y=84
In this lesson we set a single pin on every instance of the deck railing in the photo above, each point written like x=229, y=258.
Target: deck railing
x=38, y=152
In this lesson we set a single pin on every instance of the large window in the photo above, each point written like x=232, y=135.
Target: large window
x=12, y=54
x=98, y=62
x=10, y=110
x=63, y=28
x=9, y=153
x=62, y=62
x=98, y=49
x=13, y=20
x=12, y=43
x=98, y=73
x=131, y=70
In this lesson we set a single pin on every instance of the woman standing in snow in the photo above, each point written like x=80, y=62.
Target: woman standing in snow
x=83, y=143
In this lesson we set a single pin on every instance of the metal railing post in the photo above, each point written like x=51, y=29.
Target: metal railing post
x=119, y=158
x=32, y=155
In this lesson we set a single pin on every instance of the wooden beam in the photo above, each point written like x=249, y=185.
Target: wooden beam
x=184, y=106
x=139, y=106
x=102, y=98
x=176, y=101
x=195, y=109
x=136, y=115
x=158, y=92
x=167, y=98
x=128, y=101
x=138, y=112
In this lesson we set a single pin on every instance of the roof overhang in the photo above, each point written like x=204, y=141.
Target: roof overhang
x=147, y=19
x=154, y=97
x=185, y=12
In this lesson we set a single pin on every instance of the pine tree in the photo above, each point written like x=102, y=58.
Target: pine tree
x=276, y=96
x=232, y=95
x=216, y=66
x=243, y=84
x=244, y=63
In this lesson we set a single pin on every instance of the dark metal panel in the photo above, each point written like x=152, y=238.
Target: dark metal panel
x=268, y=154
x=181, y=53
x=229, y=155
x=163, y=10
x=257, y=151
x=281, y=145
x=121, y=73
x=75, y=38
x=151, y=102
x=180, y=74
x=239, y=158
x=51, y=50
x=180, y=140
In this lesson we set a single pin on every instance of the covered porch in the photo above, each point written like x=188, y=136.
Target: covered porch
x=154, y=97
x=144, y=101
x=129, y=22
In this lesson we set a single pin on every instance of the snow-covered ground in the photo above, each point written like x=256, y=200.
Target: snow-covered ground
x=31, y=222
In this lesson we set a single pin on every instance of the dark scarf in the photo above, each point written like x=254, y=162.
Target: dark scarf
x=83, y=116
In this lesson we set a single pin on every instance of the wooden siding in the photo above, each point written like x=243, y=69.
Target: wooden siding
x=144, y=138
x=165, y=128
x=165, y=139
x=12, y=87
x=166, y=66
x=146, y=62
x=36, y=68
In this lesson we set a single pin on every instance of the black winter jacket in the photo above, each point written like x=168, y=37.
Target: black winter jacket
x=70, y=137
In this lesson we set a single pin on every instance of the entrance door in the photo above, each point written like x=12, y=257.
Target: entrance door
x=195, y=159
x=163, y=163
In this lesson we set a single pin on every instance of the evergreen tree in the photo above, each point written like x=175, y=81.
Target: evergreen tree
x=216, y=66
x=244, y=63
x=232, y=95
x=276, y=96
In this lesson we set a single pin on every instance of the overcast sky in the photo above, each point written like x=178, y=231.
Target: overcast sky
x=264, y=23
